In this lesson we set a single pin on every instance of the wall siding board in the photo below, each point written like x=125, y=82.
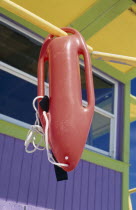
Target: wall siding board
x=51, y=195
x=111, y=183
x=105, y=192
x=60, y=189
x=15, y=171
x=34, y=179
x=68, y=192
x=98, y=186
x=77, y=187
x=91, y=186
x=118, y=187
x=29, y=179
x=6, y=164
x=2, y=143
x=84, y=185
x=25, y=178
x=43, y=181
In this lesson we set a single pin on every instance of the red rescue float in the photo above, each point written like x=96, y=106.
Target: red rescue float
x=69, y=121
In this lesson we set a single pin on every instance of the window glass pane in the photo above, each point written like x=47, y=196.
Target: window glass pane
x=16, y=97
x=99, y=135
x=104, y=92
x=19, y=50
x=22, y=52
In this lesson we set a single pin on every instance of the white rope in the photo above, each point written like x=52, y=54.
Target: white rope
x=34, y=131
x=49, y=155
x=37, y=129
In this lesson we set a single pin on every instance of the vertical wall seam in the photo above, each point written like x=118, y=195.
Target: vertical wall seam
x=95, y=186
x=88, y=187
x=47, y=186
x=114, y=189
x=101, y=188
x=30, y=179
x=3, y=147
x=11, y=164
x=64, y=195
x=55, y=203
x=20, y=176
x=108, y=190
x=73, y=190
x=39, y=179
x=81, y=183
x=55, y=191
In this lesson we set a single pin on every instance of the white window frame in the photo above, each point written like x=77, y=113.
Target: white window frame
x=33, y=80
x=112, y=117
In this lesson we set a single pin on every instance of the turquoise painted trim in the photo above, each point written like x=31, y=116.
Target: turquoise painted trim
x=126, y=147
x=24, y=23
x=15, y=131
x=131, y=74
x=104, y=161
x=126, y=143
x=105, y=67
x=95, y=12
x=21, y=133
x=109, y=70
x=125, y=189
x=102, y=13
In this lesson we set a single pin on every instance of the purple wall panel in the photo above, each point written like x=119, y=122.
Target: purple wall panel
x=98, y=188
x=25, y=178
x=2, y=142
x=77, y=187
x=84, y=185
x=60, y=195
x=30, y=179
x=34, y=178
x=111, y=183
x=68, y=199
x=5, y=169
x=105, y=191
x=118, y=187
x=51, y=194
x=15, y=171
x=43, y=181
x=91, y=186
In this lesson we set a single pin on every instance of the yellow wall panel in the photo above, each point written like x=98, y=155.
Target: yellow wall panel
x=58, y=12
x=133, y=112
x=118, y=37
x=132, y=108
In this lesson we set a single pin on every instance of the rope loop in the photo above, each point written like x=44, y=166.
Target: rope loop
x=36, y=130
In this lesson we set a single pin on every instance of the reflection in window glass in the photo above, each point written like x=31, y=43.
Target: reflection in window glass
x=104, y=92
x=19, y=50
x=99, y=135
